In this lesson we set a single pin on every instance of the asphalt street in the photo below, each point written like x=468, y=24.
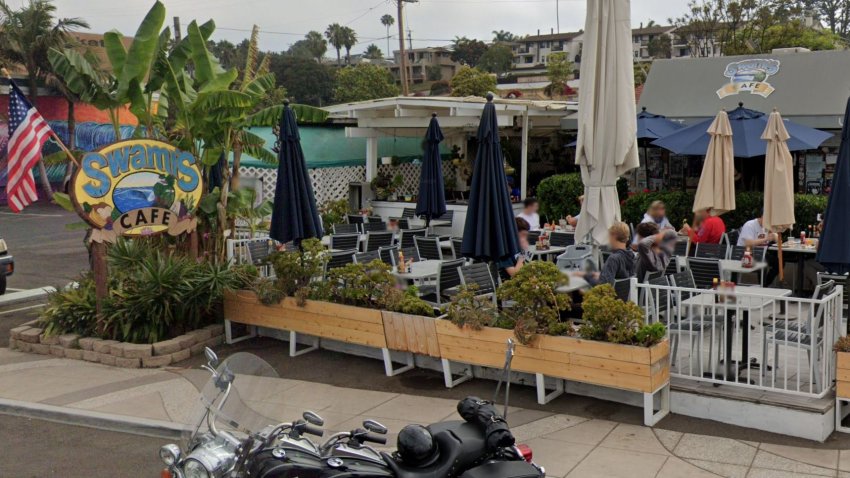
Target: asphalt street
x=39, y=449
x=46, y=252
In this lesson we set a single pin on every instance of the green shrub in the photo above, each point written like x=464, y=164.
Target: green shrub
x=333, y=212
x=558, y=195
x=407, y=302
x=153, y=295
x=537, y=306
x=296, y=269
x=440, y=88
x=468, y=309
x=609, y=319
x=679, y=206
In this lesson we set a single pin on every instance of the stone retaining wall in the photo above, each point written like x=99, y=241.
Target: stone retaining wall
x=31, y=338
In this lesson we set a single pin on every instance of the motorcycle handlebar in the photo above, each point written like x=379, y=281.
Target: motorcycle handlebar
x=371, y=437
x=313, y=430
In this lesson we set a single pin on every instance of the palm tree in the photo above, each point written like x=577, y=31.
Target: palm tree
x=503, y=36
x=316, y=44
x=373, y=52
x=349, y=39
x=387, y=20
x=336, y=36
x=26, y=35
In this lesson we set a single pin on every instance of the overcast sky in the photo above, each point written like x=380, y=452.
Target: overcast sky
x=433, y=22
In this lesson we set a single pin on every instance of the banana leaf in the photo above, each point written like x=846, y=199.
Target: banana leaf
x=143, y=49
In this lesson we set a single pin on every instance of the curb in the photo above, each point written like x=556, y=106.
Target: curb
x=92, y=419
x=30, y=295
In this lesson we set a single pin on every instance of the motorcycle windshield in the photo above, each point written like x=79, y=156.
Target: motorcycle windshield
x=233, y=399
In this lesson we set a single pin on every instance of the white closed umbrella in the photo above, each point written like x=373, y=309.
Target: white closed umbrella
x=716, y=188
x=607, y=131
x=778, y=181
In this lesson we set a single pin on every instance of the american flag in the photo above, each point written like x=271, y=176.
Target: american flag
x=27, y=134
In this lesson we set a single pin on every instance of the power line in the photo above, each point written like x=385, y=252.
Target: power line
x=369, y=10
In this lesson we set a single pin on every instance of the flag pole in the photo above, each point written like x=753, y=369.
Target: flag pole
x=5, y=73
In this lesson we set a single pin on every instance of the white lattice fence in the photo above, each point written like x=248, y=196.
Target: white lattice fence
x=332, y=183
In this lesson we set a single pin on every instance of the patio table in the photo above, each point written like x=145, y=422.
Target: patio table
x=728, y=267
x=420, y=271
x=802, y=253
x=553, y=250
x=761, y=298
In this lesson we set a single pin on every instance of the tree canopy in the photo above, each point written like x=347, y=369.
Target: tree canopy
x=364, y=82
x=472, y=82
x=497, y=59
x=559, y=70
x=468, y=51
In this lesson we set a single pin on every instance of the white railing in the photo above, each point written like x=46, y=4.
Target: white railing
x=250, y=251
x=755, y=337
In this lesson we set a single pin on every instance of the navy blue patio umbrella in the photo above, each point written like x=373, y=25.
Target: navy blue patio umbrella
x=747, y=128
x=833, y=250
x=431, y=202
x=295, y=216
x=490, y=232
x=651, y=126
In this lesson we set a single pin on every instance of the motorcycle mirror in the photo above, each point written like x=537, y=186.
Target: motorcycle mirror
x=313, y=418
x=212, y=358
x=375, y=427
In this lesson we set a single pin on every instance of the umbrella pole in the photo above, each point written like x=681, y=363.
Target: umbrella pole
x=779, y=253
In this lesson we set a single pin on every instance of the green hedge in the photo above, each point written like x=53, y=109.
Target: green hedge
x=748, y=205
x=558, y=195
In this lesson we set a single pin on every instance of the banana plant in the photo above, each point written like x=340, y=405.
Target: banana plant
x=121, y=84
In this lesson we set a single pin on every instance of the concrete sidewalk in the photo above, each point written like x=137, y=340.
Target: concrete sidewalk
x=566, y=445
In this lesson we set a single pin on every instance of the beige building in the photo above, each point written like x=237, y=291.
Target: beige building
x=426, y=64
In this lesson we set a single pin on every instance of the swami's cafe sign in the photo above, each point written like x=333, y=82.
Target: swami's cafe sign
x=137, y=188
x=749, y=76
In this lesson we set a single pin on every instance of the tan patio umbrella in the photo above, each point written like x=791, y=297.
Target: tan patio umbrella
x=716, y=189
x=778, y=181
x=607, y=131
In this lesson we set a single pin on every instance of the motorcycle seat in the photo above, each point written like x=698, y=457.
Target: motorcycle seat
x=470, y=437
x=449, y=448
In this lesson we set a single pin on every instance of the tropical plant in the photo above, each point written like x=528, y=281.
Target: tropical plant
x=472, y=82
x=373, y=52
x=316, y=45
x=388, y=21
x=349, y=39
x=537, y=305
x=335, y=34
x=72, y=310
x=364, y=82
x=504, y=36
x=26, y=36
x=333, y=212
x=609, y=319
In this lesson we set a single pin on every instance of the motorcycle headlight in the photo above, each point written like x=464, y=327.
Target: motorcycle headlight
x=169, y=454
x=194, y=469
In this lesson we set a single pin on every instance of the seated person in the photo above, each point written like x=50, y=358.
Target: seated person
x=621, y=262
x=573, y=220
x=655, y=249
x=530, y=213
x=753, y=234
x=710, y=231
x=510, y=266
x=657, y=213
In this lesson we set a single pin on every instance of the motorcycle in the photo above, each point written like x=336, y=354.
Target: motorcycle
x=230, y=437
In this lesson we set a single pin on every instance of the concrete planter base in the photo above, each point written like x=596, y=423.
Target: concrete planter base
x=31, y=338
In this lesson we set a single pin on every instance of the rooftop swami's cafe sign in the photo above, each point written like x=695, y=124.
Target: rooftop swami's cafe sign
x=137, y=187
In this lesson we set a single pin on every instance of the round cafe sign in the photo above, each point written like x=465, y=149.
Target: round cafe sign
x=138, y=187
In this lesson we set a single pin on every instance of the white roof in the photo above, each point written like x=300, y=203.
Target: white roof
x=448, y=102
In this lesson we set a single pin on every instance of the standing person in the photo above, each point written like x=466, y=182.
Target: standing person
x=530, y=213
x=753, y=234
x=657, y=213
x=621, y=263
x=655, y=249
x=711, y=228
x=510, y=267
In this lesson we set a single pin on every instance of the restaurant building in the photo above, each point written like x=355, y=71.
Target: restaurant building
x=809, y=88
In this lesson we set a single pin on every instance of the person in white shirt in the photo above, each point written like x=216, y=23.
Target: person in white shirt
x=573, y=220
x=657, y=213
x=529, y=213
x=754, y=234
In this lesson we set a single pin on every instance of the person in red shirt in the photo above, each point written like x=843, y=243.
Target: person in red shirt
x=710, y=231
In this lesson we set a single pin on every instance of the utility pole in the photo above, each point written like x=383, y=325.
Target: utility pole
x=403, y=67
x=177, y=35
x=558, y=15
x=409, y=66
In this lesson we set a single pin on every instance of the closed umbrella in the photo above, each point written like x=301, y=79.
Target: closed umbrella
x=490, y=232
x=607, y=142
x=432, y=195
x=716, y=189
x=833, y=250
x=747, y=128
x=778, y=181
x=295, y=216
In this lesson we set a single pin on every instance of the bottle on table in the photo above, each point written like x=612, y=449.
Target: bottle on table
x=401, y=263
x=747, y=259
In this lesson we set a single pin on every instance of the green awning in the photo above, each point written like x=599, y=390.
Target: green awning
x=327, y=147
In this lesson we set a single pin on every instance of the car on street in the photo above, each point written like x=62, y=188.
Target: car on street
x=7, y=265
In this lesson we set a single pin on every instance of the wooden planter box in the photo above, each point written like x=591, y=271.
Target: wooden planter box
x=842, y=375
x=353, y=325
x=411, y=333
x=637, y=369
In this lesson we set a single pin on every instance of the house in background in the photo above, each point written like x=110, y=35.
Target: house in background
x=426, y=64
